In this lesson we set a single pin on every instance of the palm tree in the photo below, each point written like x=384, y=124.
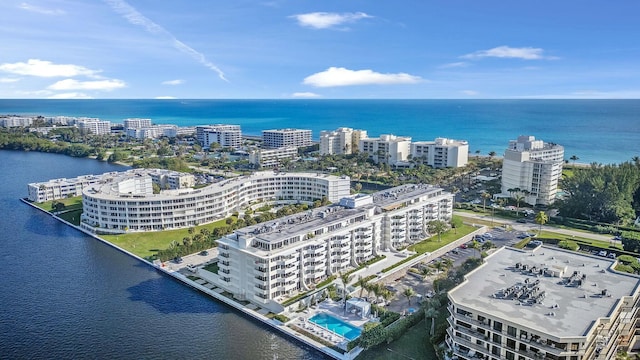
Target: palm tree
x=408, y=293
x=438, y=227
x=519, y=197
x=492, y=154
x=432, y=312
x=476, y=246
x=485, y=196
x=425, y=271
x=541, y=218
x=574, y=158
x=362, y=283
x=345, y=279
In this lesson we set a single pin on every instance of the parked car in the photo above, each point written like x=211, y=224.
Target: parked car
x=463, y=246
x=177, y=260
x=602, y=253
x=204, y=253
x=611, y=255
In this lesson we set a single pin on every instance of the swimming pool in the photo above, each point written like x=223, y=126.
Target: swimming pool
x=336, y=325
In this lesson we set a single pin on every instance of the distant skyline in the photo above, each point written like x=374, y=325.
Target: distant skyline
x=284, y=49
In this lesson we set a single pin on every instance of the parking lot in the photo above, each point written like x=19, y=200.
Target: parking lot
x=424, y=286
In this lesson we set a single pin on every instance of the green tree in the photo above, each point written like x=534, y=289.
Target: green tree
x=437, y=227
x=541, y=219
x=409, y=293
x=345, y=278
x=362, y=283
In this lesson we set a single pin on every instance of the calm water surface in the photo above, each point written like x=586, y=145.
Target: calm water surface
x=65, y=295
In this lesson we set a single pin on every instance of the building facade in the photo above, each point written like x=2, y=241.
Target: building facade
x=544, y=304
x=441, y=153
x=108, y=207
x=341, y=141
x=272, y=158
x=387, y=149
x=135, y=123
x=94, y=126
x=61, y=188
x=222, y=134
x=534, y=167
x=16, y=121
x=286, y=138
x=268, y=263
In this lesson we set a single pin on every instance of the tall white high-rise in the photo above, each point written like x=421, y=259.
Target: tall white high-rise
x=532, y=168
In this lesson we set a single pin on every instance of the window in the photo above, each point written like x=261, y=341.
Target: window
x=497, y=338
x=497, y=326
x=510, y=355
x=511, y=344
x=511, y=330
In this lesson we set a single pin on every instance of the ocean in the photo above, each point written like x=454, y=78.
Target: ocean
x=600, y=131
x=65, y=295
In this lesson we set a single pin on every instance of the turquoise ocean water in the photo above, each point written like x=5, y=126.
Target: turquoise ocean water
x=603, y=131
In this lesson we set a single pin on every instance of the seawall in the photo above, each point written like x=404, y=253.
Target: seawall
x=274, y=324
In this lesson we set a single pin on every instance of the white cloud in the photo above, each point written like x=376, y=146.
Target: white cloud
x=325, y=20
x=469, y=92
x=8, y=80
x=72, y=84
x=42, y=68
x=71, y=95
x=525, y=53
x=164, y=97
x=335, y=76
x=136, y=18
x=173, y=82
x=305, y=95
x=41, y=10
x=459, y=64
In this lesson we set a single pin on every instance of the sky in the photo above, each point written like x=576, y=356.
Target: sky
x=329, y=49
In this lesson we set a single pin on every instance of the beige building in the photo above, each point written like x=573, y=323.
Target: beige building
x=272, y=158
x=341, y=141
x=546, y=303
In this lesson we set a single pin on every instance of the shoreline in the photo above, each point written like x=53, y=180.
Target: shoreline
x=272, y=323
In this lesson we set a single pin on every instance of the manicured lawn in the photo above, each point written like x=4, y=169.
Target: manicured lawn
x=72, y=216
x=145, y=244
x=72, y=203
x=450, y=236
x=602, y=244
x=414, y=344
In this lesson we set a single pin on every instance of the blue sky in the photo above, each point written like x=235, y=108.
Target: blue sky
x=283, y=49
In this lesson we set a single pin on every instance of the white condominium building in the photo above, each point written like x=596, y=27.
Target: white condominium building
x=285, y=138
x=272, y=158
x=61, y=188
x=441, y=153
x=124, y=202
x=544, y=304
x=534, y=167
x=341, y=141
x=222, y=134
x=387, y=149
x=152, y=132
x=269, y=262
x=135, y=123
x=94, y=126
x=16, y=121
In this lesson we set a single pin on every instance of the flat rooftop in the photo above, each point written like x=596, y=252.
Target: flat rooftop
x=587, y=288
